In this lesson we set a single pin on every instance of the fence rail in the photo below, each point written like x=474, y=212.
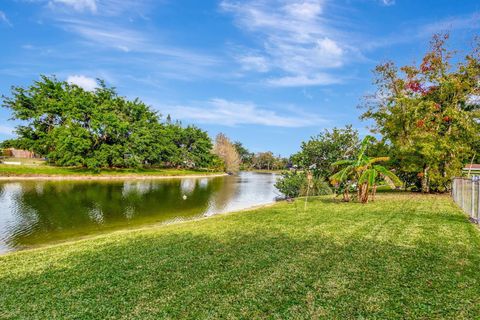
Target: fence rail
x=466, y=193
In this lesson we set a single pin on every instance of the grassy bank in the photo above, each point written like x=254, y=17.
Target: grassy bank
x=45, y=170
x=404, y=256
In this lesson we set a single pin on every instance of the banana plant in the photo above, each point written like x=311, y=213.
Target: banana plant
x=364, y=173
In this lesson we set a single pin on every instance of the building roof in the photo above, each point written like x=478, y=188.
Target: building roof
x=474, y=166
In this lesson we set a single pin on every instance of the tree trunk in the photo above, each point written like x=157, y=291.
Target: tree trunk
x=346, y=195
x=425, y=180
x=364, y=193
x=374, y=191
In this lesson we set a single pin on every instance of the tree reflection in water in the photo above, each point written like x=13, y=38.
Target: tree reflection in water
x=34, y=213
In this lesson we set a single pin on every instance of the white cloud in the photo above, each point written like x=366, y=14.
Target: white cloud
x=295, y=39
x=84, y=82
x=306, y=10
x=232, y=113
x=303, y=80
x=452, y=23
x=106, y=8
x=6, y=130
x=254, y=63
x=77, y=5
x=420, y=31
x=4, y=19
x=104, y=35
x=388, y=2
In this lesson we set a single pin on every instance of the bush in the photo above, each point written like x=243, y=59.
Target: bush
x=319, y=187
x=290, y=183
x=295, y=184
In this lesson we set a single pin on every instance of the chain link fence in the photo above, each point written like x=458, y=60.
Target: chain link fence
x=466, y=193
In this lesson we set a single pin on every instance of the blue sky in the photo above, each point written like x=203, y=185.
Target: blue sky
x=269, y=73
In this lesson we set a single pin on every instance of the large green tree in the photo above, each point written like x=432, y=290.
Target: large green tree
x=326, y=148
x=429, y=113
x=74, y=127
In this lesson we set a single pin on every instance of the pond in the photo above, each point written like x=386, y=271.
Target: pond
x=34, y=213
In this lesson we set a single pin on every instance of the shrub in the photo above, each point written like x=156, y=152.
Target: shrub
x=319, y=187
x=295, y=184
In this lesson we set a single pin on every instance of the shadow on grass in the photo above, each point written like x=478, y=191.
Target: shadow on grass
x=248, y=274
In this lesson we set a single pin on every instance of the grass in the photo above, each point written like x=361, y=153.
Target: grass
x=45, y=170
x=25, y=161
x=404, y=256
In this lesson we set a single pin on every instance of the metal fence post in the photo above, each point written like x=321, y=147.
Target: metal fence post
x=472, y=206
x=478, y=202
x=454, y=196
x=455, y=190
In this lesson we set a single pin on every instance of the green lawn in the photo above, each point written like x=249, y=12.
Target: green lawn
x=45, y=170
x=404, y=256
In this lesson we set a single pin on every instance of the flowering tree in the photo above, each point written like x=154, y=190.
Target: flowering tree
x=429, y=113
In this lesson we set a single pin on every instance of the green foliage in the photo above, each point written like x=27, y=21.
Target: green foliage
x=403, y=257
x=268, y=161
x=326, y=148
x=98, y=129
x=363, y=173
x=9, y=143
x=429, y=114
x=245, y=155
x=291, y=183
x=294, y=184
x=259, y=161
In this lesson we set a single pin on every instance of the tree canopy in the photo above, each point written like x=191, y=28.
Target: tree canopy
x=429, y=113
x=321, y=151
x=74, y=127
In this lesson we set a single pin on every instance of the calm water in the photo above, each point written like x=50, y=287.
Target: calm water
x=36, y=213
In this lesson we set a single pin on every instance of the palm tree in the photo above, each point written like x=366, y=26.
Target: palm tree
x=364, y=172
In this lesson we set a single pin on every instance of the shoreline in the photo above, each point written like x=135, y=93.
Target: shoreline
x=107, y=177
x=139, y=228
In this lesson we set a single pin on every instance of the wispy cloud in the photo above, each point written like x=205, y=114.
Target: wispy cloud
x=421, y=30
x=82, y=81
x=77, y=5
x=108, y=35
x=388, y=2
x=296, y=39
x=104, y=34
x=252, y=62
x=304, y=80
x=231, y=113
x=4, y=19
x=471, y=21
x=99, y=7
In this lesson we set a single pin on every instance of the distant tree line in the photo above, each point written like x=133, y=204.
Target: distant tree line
x=260, y=160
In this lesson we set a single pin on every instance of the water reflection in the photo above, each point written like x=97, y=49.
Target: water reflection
x=33, y=213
